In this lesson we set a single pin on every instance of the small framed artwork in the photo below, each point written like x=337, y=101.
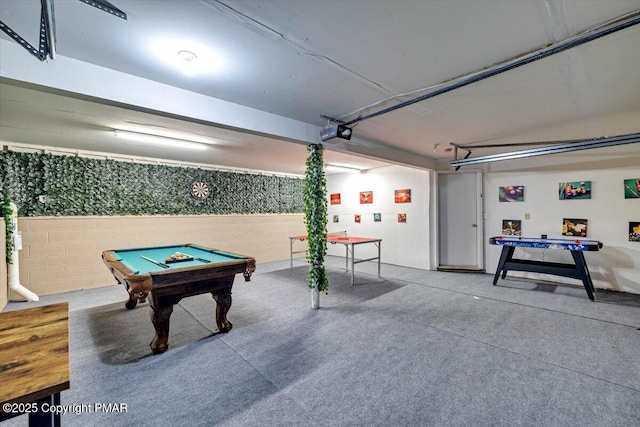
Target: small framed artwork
x=632, y=188
x=402, y=217
x=574, y=190
x=357, y=218
x=574, y=227
x=377, y=217
x=335, y=199
x=511, y=193
x=634, y=231
x=511, y=227
x=403, y=196
x=366, y=197
x=336, y=218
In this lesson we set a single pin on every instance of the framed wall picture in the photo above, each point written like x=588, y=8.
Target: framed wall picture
x=574, y=227
x=357, y=218
x=511, y=193
x=634, y=231
x=511, y=227
x=335, y=199
x=366, y=197
x=377, y=217
x=632, y=188
x=403, y=196
x=402, y=217
x=574, y=190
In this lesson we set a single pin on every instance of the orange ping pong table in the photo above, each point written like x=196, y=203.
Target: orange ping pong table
x=349, y=243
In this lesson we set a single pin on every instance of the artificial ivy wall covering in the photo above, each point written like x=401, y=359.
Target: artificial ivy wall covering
x=77, y=186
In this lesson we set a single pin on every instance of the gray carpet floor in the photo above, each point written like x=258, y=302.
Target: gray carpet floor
x=412, y=348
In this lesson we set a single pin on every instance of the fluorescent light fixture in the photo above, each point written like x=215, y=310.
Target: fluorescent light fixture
x=341, y=169
x=146, y=138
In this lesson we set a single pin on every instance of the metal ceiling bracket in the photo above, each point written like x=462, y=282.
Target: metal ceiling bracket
x=105, y=6
x=47, y=38
x=331, y=119
x=22, y=42
x=577, y=145
x=48, y=29
x=455, y=152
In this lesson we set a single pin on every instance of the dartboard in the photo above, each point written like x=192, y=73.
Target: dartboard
x=200, y=190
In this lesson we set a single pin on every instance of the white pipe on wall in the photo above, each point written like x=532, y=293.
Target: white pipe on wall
x=13, y=268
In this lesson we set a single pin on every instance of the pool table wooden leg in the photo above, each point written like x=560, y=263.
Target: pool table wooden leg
x=135, y=298
x=160, y=318
x=133, y=301
x=223, y=304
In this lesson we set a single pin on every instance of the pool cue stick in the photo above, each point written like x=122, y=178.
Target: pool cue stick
x=154, y=261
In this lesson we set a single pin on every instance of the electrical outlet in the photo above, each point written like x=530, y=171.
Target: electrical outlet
x=527, y=216
x=485, y=215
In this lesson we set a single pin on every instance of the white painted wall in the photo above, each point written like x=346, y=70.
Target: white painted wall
x=405, y=244
x=616, y=266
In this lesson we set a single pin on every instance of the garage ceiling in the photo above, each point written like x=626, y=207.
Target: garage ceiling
x=292, y=62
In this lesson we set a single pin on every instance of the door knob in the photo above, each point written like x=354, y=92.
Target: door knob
x=474, y=225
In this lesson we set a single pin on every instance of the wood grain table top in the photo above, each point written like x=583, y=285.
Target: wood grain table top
x=34, y=352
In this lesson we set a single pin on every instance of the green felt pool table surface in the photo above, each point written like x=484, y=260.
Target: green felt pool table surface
x=133, y=258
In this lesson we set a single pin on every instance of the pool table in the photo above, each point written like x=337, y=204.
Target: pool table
x=166, y=274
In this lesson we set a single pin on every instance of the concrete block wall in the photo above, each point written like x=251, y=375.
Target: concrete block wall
x=62, y=254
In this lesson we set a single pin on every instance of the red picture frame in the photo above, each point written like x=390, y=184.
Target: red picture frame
x=366, y=197
x=403, y=196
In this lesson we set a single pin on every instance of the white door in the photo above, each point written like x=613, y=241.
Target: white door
x=459, y=224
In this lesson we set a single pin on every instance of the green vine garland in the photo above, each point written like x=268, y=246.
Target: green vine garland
x=8, y=224
x=315, y=209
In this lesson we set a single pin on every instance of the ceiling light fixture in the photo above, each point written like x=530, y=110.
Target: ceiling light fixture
x=187, y=56
x=146, y=138
x=187, y=61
